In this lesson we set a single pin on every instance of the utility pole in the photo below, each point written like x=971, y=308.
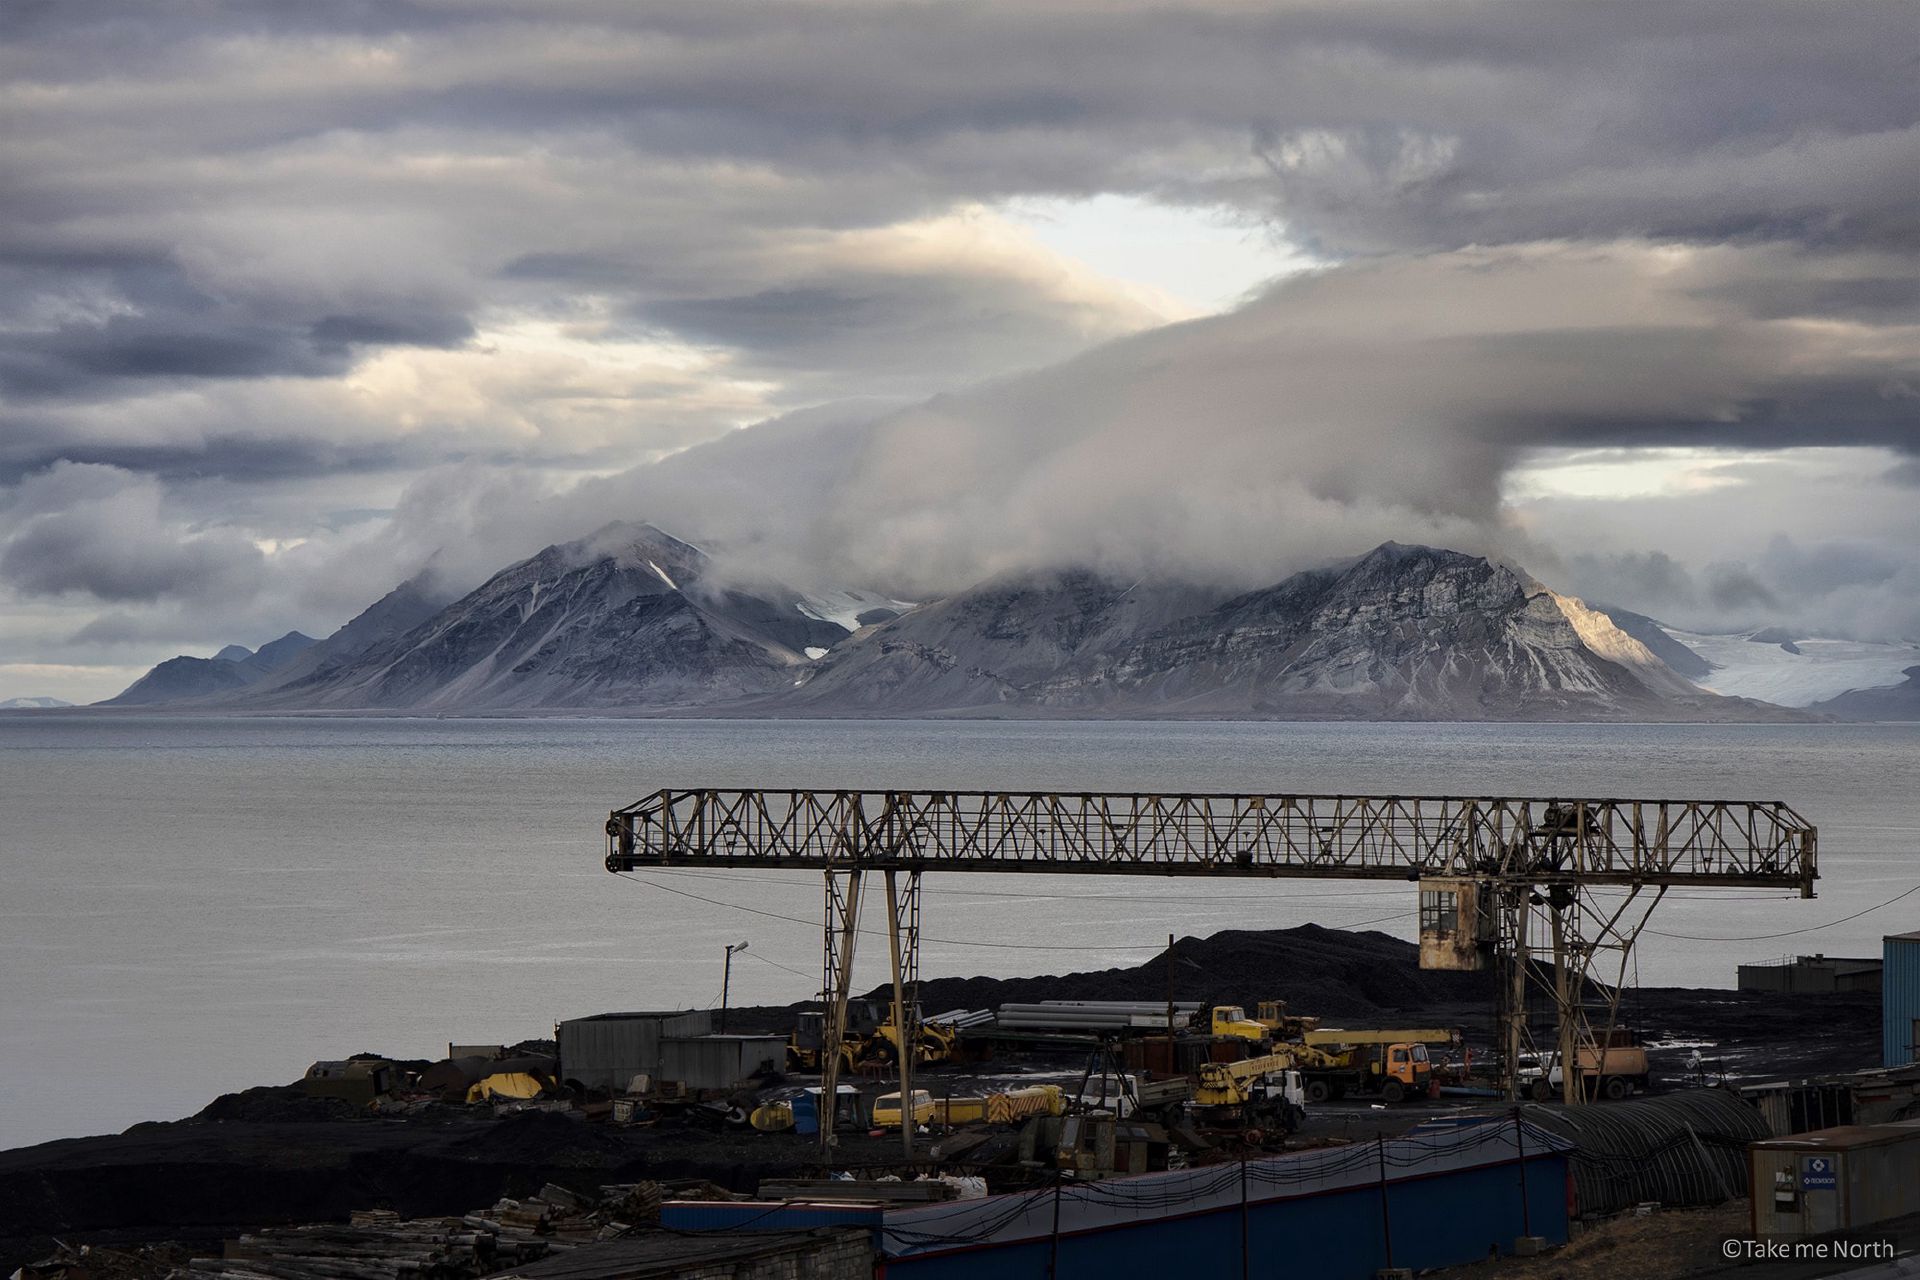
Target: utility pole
x=1173, y=1057
x=726, y=983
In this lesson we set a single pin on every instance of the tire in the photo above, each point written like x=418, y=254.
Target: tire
x=1616, y=1088
x=1318, y=1091
x=1393, y=1091
x=1540, y=1091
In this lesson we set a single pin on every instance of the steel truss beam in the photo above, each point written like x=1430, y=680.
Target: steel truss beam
x=1539, y=841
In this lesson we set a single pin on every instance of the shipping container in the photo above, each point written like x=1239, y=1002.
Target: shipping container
x=1841, y=1179
x=1899, y=998
x=607, y=1050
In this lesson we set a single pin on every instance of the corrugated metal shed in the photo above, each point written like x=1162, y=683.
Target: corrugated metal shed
x=1813, y=975
x=1899, y=998
x=607, y=1050
x=1684, y=1148
x=719, y=1062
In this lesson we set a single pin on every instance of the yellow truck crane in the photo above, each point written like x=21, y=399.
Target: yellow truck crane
x=1389, y=1063
x=1263, y=1090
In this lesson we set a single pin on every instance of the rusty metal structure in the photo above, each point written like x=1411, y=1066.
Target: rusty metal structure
x=1493, y=870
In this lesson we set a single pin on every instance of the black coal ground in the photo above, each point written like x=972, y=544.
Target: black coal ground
x=271, y=1155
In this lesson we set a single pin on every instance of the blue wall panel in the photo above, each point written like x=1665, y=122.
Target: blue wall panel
x=1438, y=1221
x=1899, y=998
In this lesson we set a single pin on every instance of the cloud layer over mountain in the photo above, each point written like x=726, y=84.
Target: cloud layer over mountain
x=298, y=296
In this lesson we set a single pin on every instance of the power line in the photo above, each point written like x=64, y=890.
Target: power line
x=1812, y=928
x=776, y=964
x=814, y=924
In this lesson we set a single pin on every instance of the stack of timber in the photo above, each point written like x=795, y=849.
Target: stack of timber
x=377, y=1244
x=428, y=1248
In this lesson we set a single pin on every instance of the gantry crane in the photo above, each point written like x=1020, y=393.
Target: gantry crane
x=1486, y=868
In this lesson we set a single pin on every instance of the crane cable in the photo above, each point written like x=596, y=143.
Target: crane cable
x=1812, y=928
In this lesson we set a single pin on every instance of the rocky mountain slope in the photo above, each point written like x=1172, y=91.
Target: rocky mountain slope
x=629, y=617
x=1895, y=702
x=632, y=619
x=1660, y=643
x=1401, y=633
x=992, y=645
x=234, y=668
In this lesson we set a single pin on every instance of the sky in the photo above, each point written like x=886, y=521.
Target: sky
x=301, y=300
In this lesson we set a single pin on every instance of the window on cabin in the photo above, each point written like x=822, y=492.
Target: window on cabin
x=1439, y=911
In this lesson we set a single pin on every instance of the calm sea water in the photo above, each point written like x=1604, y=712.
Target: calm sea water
x=193, y=906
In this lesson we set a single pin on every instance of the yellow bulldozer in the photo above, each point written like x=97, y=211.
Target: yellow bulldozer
x=870, y=1037
x=1270, y=1022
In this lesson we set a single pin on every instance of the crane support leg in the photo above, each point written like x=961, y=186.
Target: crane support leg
x=843, y=927
x=1513, y=1008
x=1565, y=1014
x=903, y=943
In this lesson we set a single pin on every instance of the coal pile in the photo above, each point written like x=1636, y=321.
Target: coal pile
x=276, y=1104
x=1330, y=973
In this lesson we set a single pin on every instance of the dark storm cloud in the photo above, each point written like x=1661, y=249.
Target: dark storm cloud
x=240, y=459
x=1733, y=588
x=1385, y=127
x=77, y=359
x=335, y=333
x=104, y=533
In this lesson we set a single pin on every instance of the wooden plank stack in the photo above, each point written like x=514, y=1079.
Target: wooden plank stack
x=378, y=1244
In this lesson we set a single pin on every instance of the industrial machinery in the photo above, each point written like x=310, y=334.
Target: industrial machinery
x=1232, y=1020
x=1392, y=1072
x=870, y=1037
x=886, y=1109
x=1263, y=1091
x=1548, y=891
x=1272, y=1022
x=1612, y=1072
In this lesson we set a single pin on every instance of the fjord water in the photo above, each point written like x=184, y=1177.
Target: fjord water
x=197, y=905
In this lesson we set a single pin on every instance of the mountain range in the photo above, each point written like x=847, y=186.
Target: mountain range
x=633, y=620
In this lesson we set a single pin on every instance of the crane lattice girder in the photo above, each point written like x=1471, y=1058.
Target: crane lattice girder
x=1540, y=841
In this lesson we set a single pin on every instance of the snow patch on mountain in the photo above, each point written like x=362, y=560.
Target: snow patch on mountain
x=844, y=608
x=1821, y=669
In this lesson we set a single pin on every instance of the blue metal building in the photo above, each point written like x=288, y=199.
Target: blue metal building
x=1426, y=1200
x=1899, y=998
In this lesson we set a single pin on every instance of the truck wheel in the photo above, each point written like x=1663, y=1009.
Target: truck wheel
x=1318, y=1091
x=1616, y=1088
x=1393, y=1091
x=1540, y=1091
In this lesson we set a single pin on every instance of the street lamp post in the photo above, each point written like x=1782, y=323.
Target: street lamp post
x=726, y=982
